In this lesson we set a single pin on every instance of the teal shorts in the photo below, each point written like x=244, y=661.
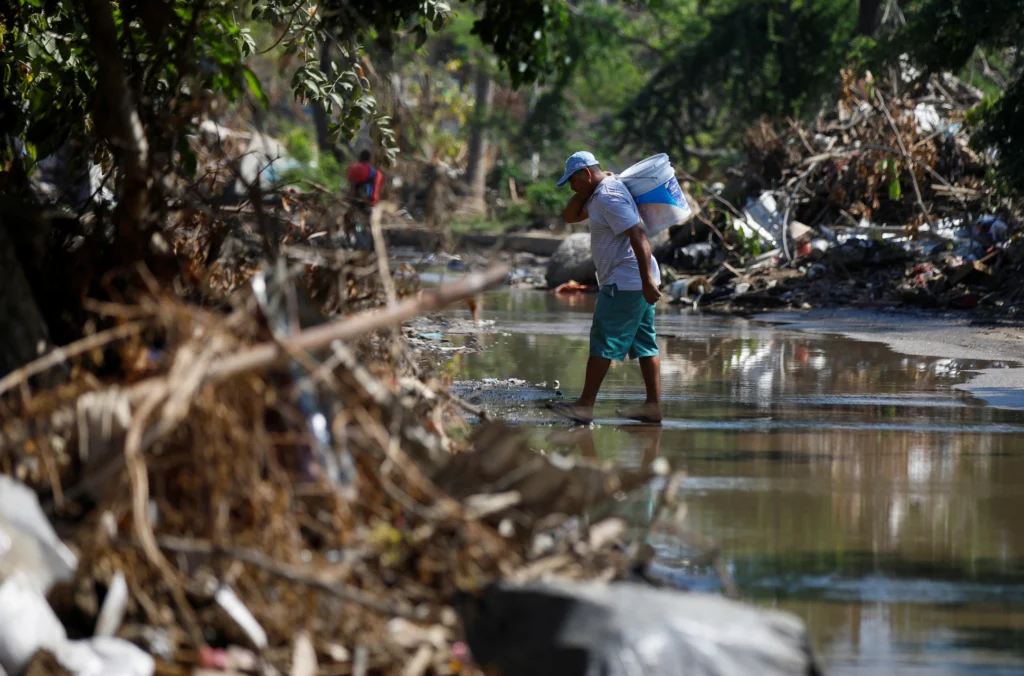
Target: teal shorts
x=623, y=325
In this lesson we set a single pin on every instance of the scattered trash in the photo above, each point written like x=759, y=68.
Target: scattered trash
x=456, y=264
x=228, y=600
x=689, y=290
x=27, y=623
x=927, y=118
x=762, y=218
x=813, y=250
x=568, y=629
x=991, y=228
x=878, y=202
x=798, y=232
x=28, y=543
x=105, y=656
x=114, y=605
x=304, y=656
x=696, y=256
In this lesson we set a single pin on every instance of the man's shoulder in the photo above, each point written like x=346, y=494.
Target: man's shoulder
x=611, y=190
x=612, y=193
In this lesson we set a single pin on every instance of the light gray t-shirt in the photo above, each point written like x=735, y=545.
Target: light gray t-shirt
x=612, y=212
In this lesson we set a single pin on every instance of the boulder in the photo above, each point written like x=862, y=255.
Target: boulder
x=572, y=262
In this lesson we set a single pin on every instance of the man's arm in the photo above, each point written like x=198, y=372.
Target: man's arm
x=576, y=212
x=642, y=248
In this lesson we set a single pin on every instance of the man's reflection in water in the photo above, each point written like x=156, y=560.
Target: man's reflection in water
x=647, y=437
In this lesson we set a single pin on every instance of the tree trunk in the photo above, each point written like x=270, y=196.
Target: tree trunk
x=867, y=16
x=117, y=118
x=476, y=171
x=23, y=332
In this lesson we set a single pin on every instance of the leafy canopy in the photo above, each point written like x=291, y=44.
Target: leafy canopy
x=178, y=53
x=946, y=35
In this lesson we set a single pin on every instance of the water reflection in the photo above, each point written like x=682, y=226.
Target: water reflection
x=846, y=483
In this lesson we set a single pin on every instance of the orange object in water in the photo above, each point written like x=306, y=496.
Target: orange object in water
x=474, y=309
x=573, y=286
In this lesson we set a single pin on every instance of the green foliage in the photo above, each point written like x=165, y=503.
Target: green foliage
x=546, y=198
x=299, y=146
x=1001, y=125
x=441, y=105
x=524, y=34
x=944, y=34
x=48, y=66
x=890, y=169
x=608, y=51
x=950, y=34
x=47, y=87
x=748, y=59
x=747, y=240
x=174, y=50
x=323, y=170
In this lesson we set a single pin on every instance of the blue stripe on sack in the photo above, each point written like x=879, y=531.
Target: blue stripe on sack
x=660, y=195
x=667, y=193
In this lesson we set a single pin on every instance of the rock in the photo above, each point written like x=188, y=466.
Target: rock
x=618, y=629
x=572, y=262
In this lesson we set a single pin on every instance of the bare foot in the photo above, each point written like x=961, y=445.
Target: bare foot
x=648, y=413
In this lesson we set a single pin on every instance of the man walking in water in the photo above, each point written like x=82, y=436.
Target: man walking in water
x=628, y=277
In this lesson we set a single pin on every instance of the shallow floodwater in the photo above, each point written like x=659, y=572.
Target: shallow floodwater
x=844, y=482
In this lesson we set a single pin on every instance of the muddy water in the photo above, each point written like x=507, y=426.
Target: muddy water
x=846, y=483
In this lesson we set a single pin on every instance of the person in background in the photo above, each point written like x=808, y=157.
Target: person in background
x=364, y=181
x=628, y=277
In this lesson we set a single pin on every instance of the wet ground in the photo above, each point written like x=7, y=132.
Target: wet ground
x=845, y=482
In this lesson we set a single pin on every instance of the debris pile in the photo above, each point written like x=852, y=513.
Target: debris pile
x=236, y=216
x=882, y=201
x=231, y=511
x=216, y=479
